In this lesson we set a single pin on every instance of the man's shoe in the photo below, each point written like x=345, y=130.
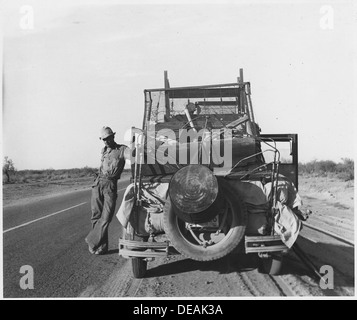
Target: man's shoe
x=91, y=250
x=302, y=215
x=101, y=251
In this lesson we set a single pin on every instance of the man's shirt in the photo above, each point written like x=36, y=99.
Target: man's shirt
x=112, y=162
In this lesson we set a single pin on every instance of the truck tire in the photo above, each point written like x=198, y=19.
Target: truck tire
x=231, y=235
x=272, y=265
x=138, y=265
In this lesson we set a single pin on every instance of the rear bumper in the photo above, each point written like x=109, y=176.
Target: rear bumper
x=253, y=244
x=262, y=244
x=139, y=249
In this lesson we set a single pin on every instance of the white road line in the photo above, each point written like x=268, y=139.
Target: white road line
x=49, y=215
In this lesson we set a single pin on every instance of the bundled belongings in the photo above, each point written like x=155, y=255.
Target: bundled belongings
x=255, y=195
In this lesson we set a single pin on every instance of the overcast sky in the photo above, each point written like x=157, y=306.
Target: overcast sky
x=80, y=65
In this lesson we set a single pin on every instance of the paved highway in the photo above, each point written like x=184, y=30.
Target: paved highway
x=48, y=236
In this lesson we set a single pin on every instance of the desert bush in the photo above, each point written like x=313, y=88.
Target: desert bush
x=343, y=170
x=24, y=176
x=22, y=179
x=346, y=176
x=326, y=166
x=90, y=171
x=8, y=169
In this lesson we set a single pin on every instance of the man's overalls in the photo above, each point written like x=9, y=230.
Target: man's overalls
x=104, y=195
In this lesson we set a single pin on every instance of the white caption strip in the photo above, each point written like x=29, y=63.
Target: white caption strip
x=49, y=215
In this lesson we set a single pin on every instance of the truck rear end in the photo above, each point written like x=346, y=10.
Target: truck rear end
x=205, y=179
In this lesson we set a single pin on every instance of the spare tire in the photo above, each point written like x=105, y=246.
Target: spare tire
x=206, y=244
x=194, y=194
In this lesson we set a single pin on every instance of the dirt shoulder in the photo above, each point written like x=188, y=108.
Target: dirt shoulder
x=22, y=193
x=332, y=204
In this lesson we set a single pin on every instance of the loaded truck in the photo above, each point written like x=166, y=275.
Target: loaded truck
x=205, y=180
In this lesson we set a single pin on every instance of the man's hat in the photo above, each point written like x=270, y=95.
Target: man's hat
x=106, y=132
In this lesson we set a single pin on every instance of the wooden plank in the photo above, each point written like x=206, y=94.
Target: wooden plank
x=142, y=254
x=148, y=245
x=241, y=80
x=237, y=122
x=266, y=249
x=203, y=93
x=262, y=238
x=220, y=85
x=217, y=103
x=167, y=100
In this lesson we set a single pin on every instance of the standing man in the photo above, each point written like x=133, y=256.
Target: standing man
x=104, y=191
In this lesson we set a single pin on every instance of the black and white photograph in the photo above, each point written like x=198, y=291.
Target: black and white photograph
x=178, y=150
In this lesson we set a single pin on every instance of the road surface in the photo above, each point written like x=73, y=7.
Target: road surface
x=47, y=237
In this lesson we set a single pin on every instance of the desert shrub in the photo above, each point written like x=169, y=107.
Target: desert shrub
x=37, y=175
x=25, y=176
x=90, y=171
x=8, y=169
x=23, y=180
x=325, y=166
x=345, y=176
x=285, y=160
x=343, y=170
x=61, y=172
x=307, y=168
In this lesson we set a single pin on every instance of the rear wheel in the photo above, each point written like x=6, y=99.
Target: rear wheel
x=138, y=265
x=271, y=265
x=208, y=243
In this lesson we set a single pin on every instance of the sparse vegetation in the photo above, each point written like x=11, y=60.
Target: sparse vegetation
x=52, y=175
x=343, y=170
x=8, y=169
x=48, y=175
